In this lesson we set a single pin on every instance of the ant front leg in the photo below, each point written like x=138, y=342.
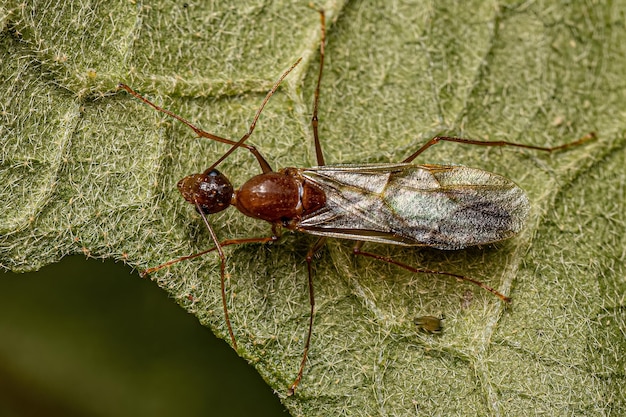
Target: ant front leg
x=224, y=243
x=218, y=247
x=265, y=166
x=200, y=132
x=223, y=268
x=357, y=251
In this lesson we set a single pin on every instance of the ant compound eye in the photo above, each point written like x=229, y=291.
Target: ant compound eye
x=211, y=191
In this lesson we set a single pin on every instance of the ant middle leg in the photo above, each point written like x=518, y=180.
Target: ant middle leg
x=309, y=261
x=314, y=119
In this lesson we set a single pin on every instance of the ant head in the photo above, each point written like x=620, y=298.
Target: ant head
x=211, y=191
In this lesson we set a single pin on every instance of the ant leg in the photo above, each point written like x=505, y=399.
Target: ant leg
x=218, y=246
x=309, y=260
x=223, y=273
x=201, y=133
x=224, y=243
x=265, y=167
x=357, y=251
x=437, y=139
x=314, y=119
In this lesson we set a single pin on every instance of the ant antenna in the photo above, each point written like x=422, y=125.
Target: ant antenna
x=256, y=117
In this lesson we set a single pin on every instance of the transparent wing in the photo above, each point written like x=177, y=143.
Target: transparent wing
x=445, y=207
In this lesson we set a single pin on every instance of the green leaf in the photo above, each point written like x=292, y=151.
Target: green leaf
x=84, y=169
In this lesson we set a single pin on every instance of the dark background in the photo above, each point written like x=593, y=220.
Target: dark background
x=91, y=338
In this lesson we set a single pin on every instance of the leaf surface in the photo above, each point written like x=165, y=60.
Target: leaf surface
x=84, y=169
